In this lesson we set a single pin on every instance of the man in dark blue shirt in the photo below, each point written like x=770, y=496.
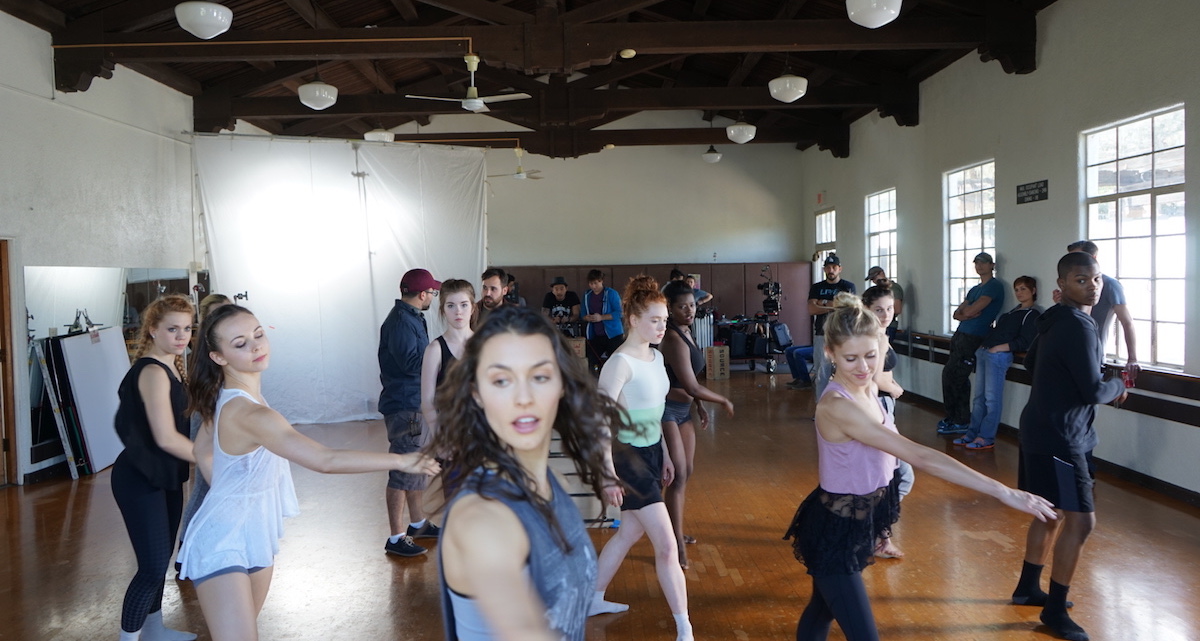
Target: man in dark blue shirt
x=820, y=303
x=974, y=315
x=402, y=342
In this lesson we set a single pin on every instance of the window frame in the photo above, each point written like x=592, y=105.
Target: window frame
x=826, y=244
x=961, y=210
x=878, y=209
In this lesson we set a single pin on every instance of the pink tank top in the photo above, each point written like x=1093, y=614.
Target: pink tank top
x=852, y=467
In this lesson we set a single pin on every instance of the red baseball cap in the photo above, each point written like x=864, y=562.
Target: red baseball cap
x=418, y=280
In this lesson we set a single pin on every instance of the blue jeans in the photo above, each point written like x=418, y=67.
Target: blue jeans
x=990, y=370
x=797, y=360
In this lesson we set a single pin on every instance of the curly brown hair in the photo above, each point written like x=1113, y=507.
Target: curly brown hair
x=585, y=421
x=640, y=293
x=153, y=315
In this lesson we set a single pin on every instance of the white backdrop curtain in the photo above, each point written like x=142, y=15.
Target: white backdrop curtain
x=318, y=234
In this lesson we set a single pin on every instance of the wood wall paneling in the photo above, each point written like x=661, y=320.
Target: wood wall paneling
x=729, y=288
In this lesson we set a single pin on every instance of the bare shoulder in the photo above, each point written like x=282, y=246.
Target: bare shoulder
x=486, y=529
x=243, y=411
x=834, y=412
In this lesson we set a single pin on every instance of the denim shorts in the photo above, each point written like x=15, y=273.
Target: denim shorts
x=677, y=412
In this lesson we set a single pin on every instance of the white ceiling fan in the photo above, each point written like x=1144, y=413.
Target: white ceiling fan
x=520, y=174
x=473, y=102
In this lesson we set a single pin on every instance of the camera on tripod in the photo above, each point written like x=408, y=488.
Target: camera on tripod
x=771, y=290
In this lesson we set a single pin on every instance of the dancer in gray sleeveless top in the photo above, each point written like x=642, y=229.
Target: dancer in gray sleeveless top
x=515, y=560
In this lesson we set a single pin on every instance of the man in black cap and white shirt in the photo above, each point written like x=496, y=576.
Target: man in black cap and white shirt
x=820, y=303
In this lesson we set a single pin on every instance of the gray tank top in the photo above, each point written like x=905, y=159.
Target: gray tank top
x=564, y=580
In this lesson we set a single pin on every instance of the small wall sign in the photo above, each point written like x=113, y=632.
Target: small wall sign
x=1033, y=192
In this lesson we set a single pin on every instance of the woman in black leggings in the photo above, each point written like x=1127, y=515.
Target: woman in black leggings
x=148, y=476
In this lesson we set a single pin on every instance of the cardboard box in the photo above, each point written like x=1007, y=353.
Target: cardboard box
x=716, y=359
x=578, y=346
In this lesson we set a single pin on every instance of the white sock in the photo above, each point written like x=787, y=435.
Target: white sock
x=418, y=525
x=600, y=606
x=155, y=630
x=395, y=538
x=683, y=627
x=130, y=636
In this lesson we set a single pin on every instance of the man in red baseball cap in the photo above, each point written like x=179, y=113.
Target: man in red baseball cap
x=402, y=342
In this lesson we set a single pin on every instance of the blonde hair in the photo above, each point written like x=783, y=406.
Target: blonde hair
x=850, y=318
x=153, y=315
x=210, y=301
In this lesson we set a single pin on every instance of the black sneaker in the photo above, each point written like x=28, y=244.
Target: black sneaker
x=404, y=547
x=429, y=531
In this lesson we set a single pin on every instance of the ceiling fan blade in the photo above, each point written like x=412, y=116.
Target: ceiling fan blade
x=482, y=108
x=506, y=97
x=500, y=175
x=433, y=98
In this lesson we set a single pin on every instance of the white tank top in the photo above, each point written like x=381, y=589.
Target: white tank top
x=645, y=398
x=240, y=522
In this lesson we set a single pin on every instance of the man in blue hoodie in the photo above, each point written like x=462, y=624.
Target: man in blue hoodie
x=1057, y=438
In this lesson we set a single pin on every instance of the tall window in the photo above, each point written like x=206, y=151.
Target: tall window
x=826, y=241
x=1135, y=198
x=881, y=231
x=971, y=228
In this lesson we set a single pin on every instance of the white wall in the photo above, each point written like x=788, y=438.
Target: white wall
x=643, y=204
x=1099, y=61
x=100, y=178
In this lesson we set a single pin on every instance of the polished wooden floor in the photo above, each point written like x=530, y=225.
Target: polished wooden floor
x=67, y=559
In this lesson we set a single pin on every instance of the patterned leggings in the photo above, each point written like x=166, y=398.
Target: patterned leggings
x=151, y=517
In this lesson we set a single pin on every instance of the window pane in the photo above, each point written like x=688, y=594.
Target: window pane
x=954, y=207
x=1171, y=344
x=1168, y=167
x=1168, y=130
x=1134, y=173
x=1107, y=255
x=1135, y=216
x=989, y=201
x=1102, y=180
x=1134, y=139
x=1169, y=300
x=954, y=184
x=958, y=263
x=989, y=175
x=1102, y=220
x=973, y=204
x=974, y=179
x=972, y=236
x=1102, y=147
x=1170, y=214
x=1137, y=297
x=1135, y=257
x=956, y=236
x=1170, y=256
x=989, y=234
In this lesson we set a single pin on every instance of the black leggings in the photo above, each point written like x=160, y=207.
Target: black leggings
x=842, y=597
x=151, y=517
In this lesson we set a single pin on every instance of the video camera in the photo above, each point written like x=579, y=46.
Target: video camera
x=771, y=290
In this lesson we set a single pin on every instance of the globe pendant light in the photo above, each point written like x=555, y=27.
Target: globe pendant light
x=318, y=95
x=205, y=20
x=741, y=132
x=788, y=87
x=873, y=14
x=711, y=156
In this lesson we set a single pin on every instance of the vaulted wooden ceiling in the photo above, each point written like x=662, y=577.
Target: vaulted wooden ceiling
x=715, y=56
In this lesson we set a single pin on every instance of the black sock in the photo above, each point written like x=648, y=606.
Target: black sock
x=1029, y=589
x=1055, y=616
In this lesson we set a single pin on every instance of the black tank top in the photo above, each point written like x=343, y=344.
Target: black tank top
x=447, y=359
x=161, y=469
x=694, y=351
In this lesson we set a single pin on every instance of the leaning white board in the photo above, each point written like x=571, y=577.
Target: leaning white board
x=95, y=370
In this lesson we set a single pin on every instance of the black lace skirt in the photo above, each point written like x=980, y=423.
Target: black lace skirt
x=835, y=533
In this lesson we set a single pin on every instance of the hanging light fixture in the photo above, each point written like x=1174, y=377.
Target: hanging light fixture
x=318, y=95
x=741, y=131
x=205, y=20
x=788, y=87
x=873, y=14
x=711, y=156
x=379, y=134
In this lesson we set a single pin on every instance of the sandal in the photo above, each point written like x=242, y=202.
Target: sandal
x=980, y=444
x=885, y=550
x=962, y=440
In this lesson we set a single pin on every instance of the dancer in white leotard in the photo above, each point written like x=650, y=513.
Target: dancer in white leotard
x=243, y=449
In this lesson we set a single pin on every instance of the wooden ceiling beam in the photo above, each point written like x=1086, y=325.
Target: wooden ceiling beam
x=618, y=71
x=406, y=9
x=533, y=48
x=318, y=19
x=605, y=10
x=482, y=10
x=750, y=60
x=36, y=13
x=577, y=104
x=162, y=73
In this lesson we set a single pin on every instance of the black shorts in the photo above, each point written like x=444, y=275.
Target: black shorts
x=1067, y=482
x=640, y=469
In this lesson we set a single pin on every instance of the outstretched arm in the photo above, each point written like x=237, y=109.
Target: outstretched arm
x=851, y=422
